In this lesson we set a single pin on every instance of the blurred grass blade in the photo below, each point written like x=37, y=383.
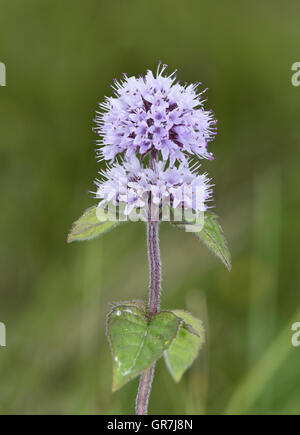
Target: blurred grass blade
x=185, y=347
x=259, y=377
x=89, y=226
x=135, y=342
x=265, y=269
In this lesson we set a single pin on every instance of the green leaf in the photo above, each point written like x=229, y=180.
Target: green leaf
x=135, y=341
x=91, y=224
x=185, y=347
x=213, y=237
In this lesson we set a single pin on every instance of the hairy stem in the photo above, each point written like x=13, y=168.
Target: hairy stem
x=153, y=307
x=154, y=266
x=142, y=398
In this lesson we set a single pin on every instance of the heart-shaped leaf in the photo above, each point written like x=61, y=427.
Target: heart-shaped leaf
x=136, y=342
x=185, y=347
x=91, y=224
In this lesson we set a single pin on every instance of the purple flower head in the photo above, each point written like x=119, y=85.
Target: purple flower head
x=154, y=113
x=131, y=185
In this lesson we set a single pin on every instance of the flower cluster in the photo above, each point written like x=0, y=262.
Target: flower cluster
x=154, y=113
x=131, y=185
x=158, y=118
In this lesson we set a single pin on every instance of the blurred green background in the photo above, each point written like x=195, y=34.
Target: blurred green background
x=61, y=57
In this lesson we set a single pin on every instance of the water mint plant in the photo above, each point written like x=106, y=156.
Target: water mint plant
x=153, y=134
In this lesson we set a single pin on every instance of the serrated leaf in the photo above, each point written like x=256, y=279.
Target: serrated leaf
x=137, y=342
x=213, y=237
x=90, y=225
x=185, y=347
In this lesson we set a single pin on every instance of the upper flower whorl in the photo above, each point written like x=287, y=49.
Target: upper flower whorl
x=154, y=113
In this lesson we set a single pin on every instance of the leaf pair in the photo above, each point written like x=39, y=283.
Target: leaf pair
x=92, y=224
x=136, y=341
